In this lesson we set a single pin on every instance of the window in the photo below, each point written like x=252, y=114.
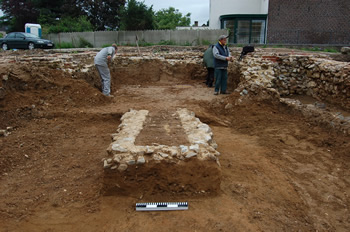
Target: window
x=258, y=32
x=10, y=36
x=20, y=35
x=245, y=29
x=231, y=25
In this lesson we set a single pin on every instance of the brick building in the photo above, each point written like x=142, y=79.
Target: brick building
x=309, y=22
x=283, y=21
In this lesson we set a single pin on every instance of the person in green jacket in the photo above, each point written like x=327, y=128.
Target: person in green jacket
x=208, y=60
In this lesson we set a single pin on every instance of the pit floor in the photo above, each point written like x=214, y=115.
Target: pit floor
x=279, y=171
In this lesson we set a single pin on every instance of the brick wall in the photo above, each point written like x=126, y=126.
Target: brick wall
x=309, y=21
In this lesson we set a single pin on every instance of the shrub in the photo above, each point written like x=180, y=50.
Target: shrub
x=64, y=45
x=333, y=50
x=166, y=42
x=83, y=43
x=205, y=42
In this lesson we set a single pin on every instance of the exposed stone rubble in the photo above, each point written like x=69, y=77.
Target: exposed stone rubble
x=123, y=152
x=276, y=76
x=320, y=78
x=285, y=75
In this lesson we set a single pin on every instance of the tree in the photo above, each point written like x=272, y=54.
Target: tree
x=103, y=14
x=69, y=24
x=137, y=16
x=19, y=12
x=50, y=11
x=171, y=18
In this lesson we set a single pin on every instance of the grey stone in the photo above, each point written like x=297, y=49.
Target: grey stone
x=117, y=158
x=141, y=160
x=157, y=157
x=118, y=148
x=105, y=164
x=195, y=148
x=3, y=133
x=184, y=149
x=190, y=155
x=345, y=50
x=320, y=105
x=149, y=150
x=163, y=155
x=311, y=84
x=131, y=162
x=228, y=106
x=122, y=167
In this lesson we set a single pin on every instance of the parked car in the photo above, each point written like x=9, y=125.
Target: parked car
x=21, y=40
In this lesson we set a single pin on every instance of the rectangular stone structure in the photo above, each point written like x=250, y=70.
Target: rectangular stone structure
x=135, y=170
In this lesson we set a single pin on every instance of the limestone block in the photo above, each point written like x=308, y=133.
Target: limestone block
x=190, y=155
x=183, y=149
x=141, y=160
x=195, y=148
x=118, y=148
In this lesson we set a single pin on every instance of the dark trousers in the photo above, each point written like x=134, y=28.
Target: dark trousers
x=221, y=80
x=210, y=77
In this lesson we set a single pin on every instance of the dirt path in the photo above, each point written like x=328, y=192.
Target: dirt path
x=280, y=173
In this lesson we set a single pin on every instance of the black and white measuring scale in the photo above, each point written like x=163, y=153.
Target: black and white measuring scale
x=158, y=206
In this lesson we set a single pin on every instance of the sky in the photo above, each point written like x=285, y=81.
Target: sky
x=199, y=9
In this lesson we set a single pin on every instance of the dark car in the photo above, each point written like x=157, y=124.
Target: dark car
x=21, y=40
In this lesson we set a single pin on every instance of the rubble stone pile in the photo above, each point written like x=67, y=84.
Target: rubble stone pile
x=320, y=78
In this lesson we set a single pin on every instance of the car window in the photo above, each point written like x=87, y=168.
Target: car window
x=11, y=35
x=28, y=35
x=19, y=35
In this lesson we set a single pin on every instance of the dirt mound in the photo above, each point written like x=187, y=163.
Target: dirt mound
x=31, y=92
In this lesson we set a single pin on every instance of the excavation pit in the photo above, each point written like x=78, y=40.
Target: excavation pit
x=161, y=152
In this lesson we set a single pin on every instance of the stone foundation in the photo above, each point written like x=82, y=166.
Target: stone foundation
x=285, y=75
x=155, y=168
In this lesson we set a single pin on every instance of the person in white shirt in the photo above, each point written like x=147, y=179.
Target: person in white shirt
x=101, y=62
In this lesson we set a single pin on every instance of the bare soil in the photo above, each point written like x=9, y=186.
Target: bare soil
x=163, y=128
x=279, y=171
